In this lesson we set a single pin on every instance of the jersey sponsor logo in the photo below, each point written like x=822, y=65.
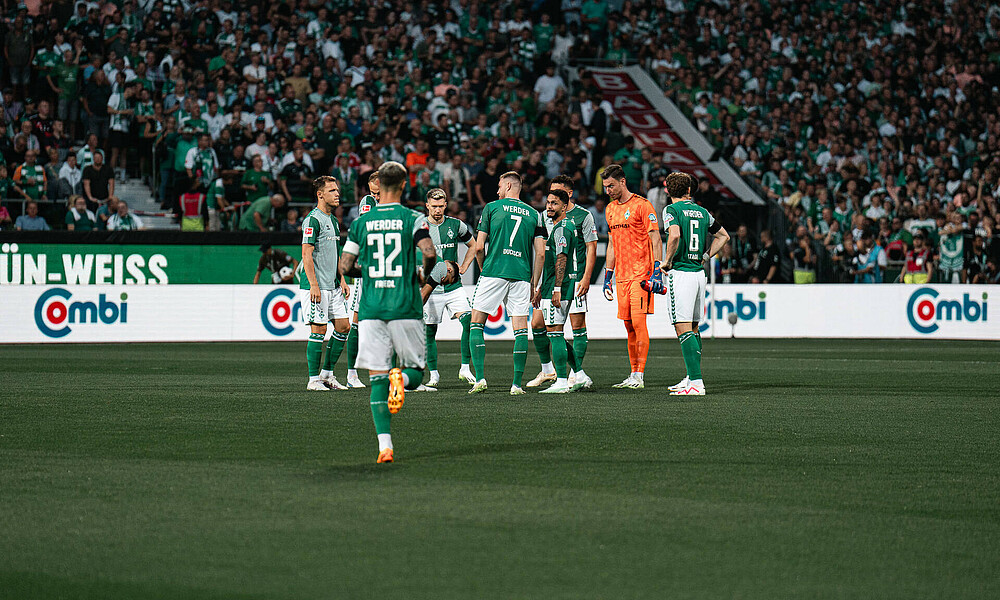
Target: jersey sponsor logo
x=54, y=313
x=513, y=253
x=307, y=231
x=280, y=311
x=924, y=310
x=618, y=226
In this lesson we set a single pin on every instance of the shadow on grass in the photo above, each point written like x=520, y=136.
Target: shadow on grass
x=361, y=471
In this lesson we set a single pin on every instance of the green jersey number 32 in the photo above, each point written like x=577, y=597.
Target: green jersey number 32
x=383, y=264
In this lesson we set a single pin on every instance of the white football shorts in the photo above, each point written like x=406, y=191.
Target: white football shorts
x=378, y=340
x=686, y=295
x=491, y=291
x=554, y=314
x=331, y=306
x=454, y=303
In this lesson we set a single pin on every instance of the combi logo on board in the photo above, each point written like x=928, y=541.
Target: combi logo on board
x=925, y=310
x=54, y=313
x=280, y=311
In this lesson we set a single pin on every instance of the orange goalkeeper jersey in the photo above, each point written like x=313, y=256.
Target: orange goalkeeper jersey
x=629, y=224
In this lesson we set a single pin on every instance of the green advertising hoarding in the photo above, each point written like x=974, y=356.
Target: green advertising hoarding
x=126, y=264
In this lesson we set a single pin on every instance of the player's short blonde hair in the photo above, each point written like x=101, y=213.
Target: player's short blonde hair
x=436, y=194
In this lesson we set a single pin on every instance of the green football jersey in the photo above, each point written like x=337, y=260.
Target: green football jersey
x=562, y=240
x=383, y=241
x=366, y=204
x=586, y=231
x=694, y=222
x=952, y=251
x=323, y=232
x=446, y=237
x=511, y=227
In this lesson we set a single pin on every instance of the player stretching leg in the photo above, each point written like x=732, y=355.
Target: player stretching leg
x=323, y=289
x=512, y=229
x=687, y=226
x=557, y=283
x=366, y=204
x=380, y=246
x=585, y=258
x=635, y=250
x=446, y=233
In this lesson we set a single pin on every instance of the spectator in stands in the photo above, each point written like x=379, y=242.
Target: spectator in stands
x=9, y=187
x=5, y=221
x=803, y=257
x=951, y=251
x=256, y=181
x=106, y=211
x=30, y=177
x=70, y=178
x=30, y=221
x=79, y=217
x=919, y=261
x=98, y=181
x=292, y=222
x=766, y=267
x=123, y=219
x=870, y=262
x=258, y=215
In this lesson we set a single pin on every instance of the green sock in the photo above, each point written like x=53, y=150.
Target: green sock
x=541, y=340
x=697, y=336
x=520, y=354
x=314, y=353
x=477, y=344
x=334, y=348
x=559, y=354
x=414, y=377
x=691, y=354
x=570, y=355
x=379, y=400
x=432, y=346
x=580, y=346
x=352, y=346
x=466, y=351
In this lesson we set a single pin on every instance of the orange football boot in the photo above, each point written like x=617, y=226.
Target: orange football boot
x=384, y=456
x=396, y=390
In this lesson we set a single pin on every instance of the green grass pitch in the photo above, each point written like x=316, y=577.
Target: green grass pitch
x=814, y=469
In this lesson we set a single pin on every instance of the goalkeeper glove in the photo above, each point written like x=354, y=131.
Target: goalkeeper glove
x=608, y=293
x=656, y=277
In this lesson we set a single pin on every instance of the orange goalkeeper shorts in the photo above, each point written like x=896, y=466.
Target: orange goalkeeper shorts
x=633, y=300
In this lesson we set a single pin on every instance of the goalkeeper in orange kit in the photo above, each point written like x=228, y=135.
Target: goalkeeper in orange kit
x=634, y=256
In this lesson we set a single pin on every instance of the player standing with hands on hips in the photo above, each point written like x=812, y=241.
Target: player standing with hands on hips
x=688, y=227
x=323, y=289
x=381, y=246
x=633, y=258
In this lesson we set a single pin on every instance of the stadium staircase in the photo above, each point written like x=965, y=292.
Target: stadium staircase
x=141, y=200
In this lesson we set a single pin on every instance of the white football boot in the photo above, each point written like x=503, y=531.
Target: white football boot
x=541, y=378
x=692, y=389
x=680, y=385
x=317, y=386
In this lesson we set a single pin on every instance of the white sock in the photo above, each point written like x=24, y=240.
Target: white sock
x=561, y=381
x=352, y=373
x=464, y=368
x=313, y=378
x=406, y=380
x=697, y=383
x=384, y=441
x=637, y=376
x=580, y=374
x=572, y=373
x=435, y=375
x=325, y=374
x=548, y=369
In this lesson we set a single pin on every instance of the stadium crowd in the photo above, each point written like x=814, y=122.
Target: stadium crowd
x=874, y=127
